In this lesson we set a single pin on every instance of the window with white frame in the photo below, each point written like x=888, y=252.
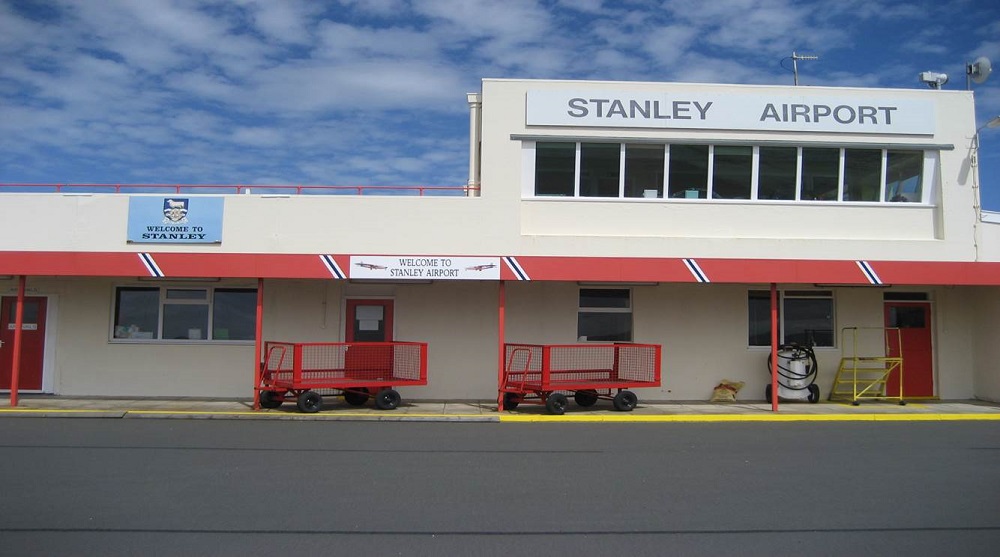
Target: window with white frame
x=805, y=317
x=728, y=172
x=184, y=313
x=605, y=315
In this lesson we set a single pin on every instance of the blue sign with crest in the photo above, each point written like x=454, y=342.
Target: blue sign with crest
x=180, y=219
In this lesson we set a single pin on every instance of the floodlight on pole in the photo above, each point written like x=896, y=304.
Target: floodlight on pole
x=795, y=63
x=994, y=122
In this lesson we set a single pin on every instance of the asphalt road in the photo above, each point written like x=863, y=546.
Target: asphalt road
x=230, y=487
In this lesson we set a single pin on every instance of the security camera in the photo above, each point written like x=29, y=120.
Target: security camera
x=934, y=80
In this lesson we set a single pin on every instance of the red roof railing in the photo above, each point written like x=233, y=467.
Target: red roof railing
x=263, y=189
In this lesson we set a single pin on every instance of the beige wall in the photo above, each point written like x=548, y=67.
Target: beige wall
x=985, y=302
x=702, y=328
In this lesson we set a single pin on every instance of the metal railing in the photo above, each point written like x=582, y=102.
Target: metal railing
x=247, y=189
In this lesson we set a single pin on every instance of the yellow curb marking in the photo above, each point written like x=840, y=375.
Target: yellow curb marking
x=513, y=418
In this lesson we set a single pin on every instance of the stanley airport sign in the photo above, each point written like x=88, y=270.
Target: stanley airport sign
x=693, y=110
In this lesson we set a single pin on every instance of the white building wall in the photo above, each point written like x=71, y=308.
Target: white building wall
x=986, y=305
x=724, y=228
x=502, y=222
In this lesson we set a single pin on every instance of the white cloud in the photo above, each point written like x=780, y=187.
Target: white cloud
x=287, y=21
x=511, y=21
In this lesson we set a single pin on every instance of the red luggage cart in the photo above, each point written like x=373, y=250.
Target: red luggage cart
x=356, y=370
x=541, y=374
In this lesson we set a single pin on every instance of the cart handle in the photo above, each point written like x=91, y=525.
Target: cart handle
x=510, y=363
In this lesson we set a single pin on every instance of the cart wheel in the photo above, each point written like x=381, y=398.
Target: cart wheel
x=309, y=402
x=813, y=393
x=585, y=398
x=556, y=403
x=387, y=399
x=357, y=397
x=625, y=401
x=767, y=394
x=271, y=399
x=511, y=400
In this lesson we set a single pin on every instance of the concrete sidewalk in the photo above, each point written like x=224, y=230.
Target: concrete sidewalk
x=337, y=409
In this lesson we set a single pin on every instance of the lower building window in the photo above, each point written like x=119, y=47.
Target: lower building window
x=805, y=317
x=605, y=315
x=200, y=314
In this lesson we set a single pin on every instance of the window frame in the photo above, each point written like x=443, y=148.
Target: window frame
x=628, y=309
x=926, y=181
x=163, y=300
x=793, y=294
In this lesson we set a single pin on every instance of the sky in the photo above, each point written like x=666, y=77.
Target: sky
x=373, y=92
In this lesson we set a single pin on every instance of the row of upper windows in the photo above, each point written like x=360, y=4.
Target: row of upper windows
x=642, y=170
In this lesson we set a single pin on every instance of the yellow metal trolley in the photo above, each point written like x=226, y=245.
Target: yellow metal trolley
x=866, y=377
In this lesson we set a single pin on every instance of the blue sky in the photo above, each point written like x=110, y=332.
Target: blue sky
x=372, y=92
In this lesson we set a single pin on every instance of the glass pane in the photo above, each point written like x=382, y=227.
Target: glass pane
x=185, y=321
x=28, y=315
x=904, y=176
x=862, y=174
x=907, y=317
x=731, y=172
x=644, y=170
x=234, y=314
x=176, y=294
x=599, y=169
x=808, y=322
x=369, y=323
x=605, y=327
x=604, y=298
x=688, y=176
x=776, y=174
x=555, y=168
x=759, y=318
x=906, y=296
x=137, y=313
x=820, y=172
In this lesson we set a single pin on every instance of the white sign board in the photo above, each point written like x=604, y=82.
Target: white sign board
x=424, y=267
x=762, y=112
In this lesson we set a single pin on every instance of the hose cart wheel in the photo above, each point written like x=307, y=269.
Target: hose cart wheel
x=813, y=393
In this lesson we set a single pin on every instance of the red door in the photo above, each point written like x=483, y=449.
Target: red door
x=32, y=342
x=368, y=321
x=914, y=322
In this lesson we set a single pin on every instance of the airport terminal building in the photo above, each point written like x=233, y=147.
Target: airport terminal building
x=657, y=213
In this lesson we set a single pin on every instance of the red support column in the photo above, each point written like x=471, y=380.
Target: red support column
x=15, y=367
x=501, y=349
x=774, y=347
x=257, y=344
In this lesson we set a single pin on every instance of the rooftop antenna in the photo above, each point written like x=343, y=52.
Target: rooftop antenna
x=977, y=72
x=795, y=63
